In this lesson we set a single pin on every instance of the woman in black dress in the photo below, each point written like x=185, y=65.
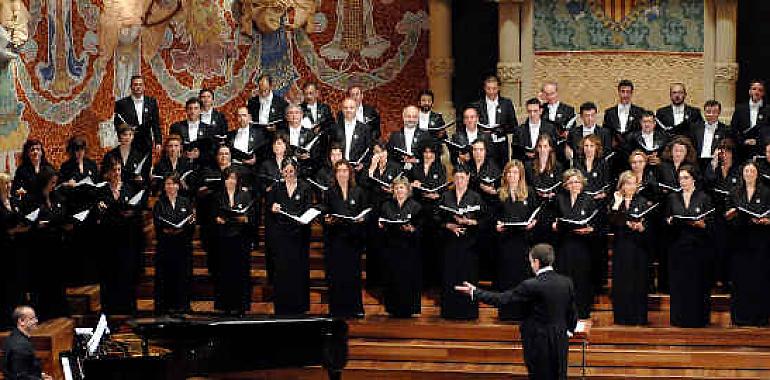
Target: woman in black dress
x=378, y=182
x=344, y=242
x=485, y=178
x=45, y=243
x=13, y=276
x=751, y=237
x=516, y=204
x=544, y=174
x=174, y=226
x=576, y=213
x=32, y=162
x=232, y=206
x=123, y=240
x=401, y=253
x=269, y=175
x=290, y=241
x=135, y=165
x=647, y=187
x=428, y=182
x=630, y=256
x=689, y=214
x=77, y=178
x=461, y=215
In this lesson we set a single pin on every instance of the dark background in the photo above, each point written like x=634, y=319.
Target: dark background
x=753, y=50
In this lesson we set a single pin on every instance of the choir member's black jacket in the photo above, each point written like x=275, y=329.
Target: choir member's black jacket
x=333, y=203
x=635, y=140
x=129, y=167
x=296, y=205
x=164, y=215
x=205, y=141
x=277, y=109
x=460, y=138
x=324, y=112
x=697, y=132
x=50, y=219
x=409, y=211
x=435, y=120
x=218, y=124
x=576, y=136
x=146, y=134
x=119, y=212
x=740, y=125
x=598, y=179
x=764, y=170
x=612, y=120
x=79, y=197
x=268, y=175
x=258, y=144
x=165, y=167
x=222, y=209
x=520, y=210
x=361, y=141
x=665, y=116
x=583, y=208
x=24, y=177
x=523, y=143
x=719, y=186
x=371, y=121
x=540, y=181
x=759, y=203
x=700, y=203
x=564, y=113
x=377, y=194
x=433, y=178
x=488, y=174
x=309, y=165
x=469, y=199
x=548, y=302
x=398, y=140
x=20, y=362
x=506, y=115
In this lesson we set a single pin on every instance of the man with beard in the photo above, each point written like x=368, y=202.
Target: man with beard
x=678, y=117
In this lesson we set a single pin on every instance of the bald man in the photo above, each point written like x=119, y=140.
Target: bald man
x=20, y=362
x=405, y=144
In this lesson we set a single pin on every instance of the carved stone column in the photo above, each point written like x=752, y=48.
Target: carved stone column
x=725, y=66
x=440, y=63
x=509, y=68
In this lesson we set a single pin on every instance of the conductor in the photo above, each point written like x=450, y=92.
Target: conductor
x=548, y=305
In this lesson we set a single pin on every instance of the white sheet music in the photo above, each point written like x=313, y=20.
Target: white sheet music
x=101, y=328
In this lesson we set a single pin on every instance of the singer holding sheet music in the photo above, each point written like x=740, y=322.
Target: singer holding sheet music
x=628, y=215
x=516, y=204
x=290, y=241
x=13, y=231
x=135, y=164
x=172, y=162
x=462, y=214
x=689, y=214
x=32, y=162
x=399, y=217
x=46, y=260
x=122, y=230
x=575, y=224
x=747, y=212
x=544, y=174
x=174, y=228
x=76, y=177
x=344, y=236
x=233, y=215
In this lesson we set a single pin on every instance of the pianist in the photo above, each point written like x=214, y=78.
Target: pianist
x=20, y=362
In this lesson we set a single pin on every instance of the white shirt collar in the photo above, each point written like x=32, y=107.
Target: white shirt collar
x=712, y=126
x=137, y=100
x=267, y=99
x=543, y=270
x=758, y=104
x=491, y=101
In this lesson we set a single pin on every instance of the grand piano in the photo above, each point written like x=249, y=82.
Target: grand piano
x=206, y=346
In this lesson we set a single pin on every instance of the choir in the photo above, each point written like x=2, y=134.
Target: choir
x=671, y=201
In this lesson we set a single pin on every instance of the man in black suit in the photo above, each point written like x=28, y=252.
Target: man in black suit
x=353, y=136
x=248, y=143
x=404, y=145
x=624, y=117
x=749, y=119
x=300, y=139
x=215, y=119
x=548, y=302
x=429, y=120
x=141, y=112
x=558, y=113
x=677, y=117
x=267, y=109
x=707, y=135
x=649, y=138
x=495, y=110
x=365, y=113
x=20, y=362
x=319, y=114
x=523, y=146
x=460, y=147
x=589, y=127
x=197, y=137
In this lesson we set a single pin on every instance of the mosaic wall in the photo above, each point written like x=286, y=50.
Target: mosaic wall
x=80, y=55
x=649, y=25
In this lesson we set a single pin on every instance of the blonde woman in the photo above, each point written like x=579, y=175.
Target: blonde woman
x=402, y=255
x=628, y=217
x=516, y=204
